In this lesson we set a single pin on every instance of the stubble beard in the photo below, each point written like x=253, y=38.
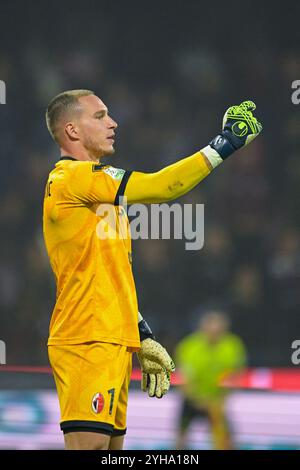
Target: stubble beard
x=96, y=150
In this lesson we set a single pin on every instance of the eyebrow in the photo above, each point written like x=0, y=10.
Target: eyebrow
x=100, y=113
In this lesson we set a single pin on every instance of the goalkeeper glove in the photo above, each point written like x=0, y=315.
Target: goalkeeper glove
x=155, y=362
x=239, y=128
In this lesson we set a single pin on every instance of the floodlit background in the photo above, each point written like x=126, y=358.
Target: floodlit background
x=167, y=71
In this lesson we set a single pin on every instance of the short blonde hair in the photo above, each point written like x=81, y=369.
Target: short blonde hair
x=61, y=105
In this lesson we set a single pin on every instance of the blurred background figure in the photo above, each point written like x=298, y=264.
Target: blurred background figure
x=204, y=359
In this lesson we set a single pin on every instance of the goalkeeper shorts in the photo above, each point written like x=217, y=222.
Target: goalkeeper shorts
x=92, y=381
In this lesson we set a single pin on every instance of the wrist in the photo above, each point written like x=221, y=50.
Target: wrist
x=219, y=148
x=212, y=156
x=223, y=145
x=144, y=329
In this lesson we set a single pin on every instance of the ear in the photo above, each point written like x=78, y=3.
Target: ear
x=71, y=131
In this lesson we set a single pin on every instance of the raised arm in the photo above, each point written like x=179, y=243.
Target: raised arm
x=170, y=182
x=240, y=127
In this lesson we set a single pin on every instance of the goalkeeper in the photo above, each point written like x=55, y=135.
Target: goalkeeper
x=95, y=326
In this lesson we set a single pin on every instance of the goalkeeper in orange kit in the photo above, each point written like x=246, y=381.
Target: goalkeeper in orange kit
x=95, y=326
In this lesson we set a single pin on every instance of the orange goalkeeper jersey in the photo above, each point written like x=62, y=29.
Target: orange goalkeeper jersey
x=88, y=242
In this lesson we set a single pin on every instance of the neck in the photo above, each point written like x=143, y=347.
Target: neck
x=79, y=154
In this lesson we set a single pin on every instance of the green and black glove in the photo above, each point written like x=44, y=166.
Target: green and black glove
x=239, y=128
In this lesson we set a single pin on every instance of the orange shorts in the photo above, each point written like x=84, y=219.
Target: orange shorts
x=92, y=381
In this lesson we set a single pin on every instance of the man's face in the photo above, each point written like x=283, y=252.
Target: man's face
x=214, y=327
x=95, y=127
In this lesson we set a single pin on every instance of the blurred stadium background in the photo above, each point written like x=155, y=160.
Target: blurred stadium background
x=167, y=72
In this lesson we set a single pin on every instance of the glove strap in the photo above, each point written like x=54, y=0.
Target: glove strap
x=145, y=330
x=222, y=145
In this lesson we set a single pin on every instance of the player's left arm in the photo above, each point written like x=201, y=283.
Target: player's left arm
x=240, y=127
x=170, y=182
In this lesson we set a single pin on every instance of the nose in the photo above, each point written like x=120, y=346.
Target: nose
x=113, y=124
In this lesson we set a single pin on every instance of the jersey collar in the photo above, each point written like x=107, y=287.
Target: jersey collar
x=67, y=158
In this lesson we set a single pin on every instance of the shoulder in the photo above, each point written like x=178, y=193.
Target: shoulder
x=94, y=169
x=233, y=340
x=190, y=340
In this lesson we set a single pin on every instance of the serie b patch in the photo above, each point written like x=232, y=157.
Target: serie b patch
x=97, y=403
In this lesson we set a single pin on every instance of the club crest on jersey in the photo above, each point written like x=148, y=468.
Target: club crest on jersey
x=115, y=173
x=97, y=403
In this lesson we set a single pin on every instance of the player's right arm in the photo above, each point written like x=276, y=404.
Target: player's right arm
x=240, y=127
